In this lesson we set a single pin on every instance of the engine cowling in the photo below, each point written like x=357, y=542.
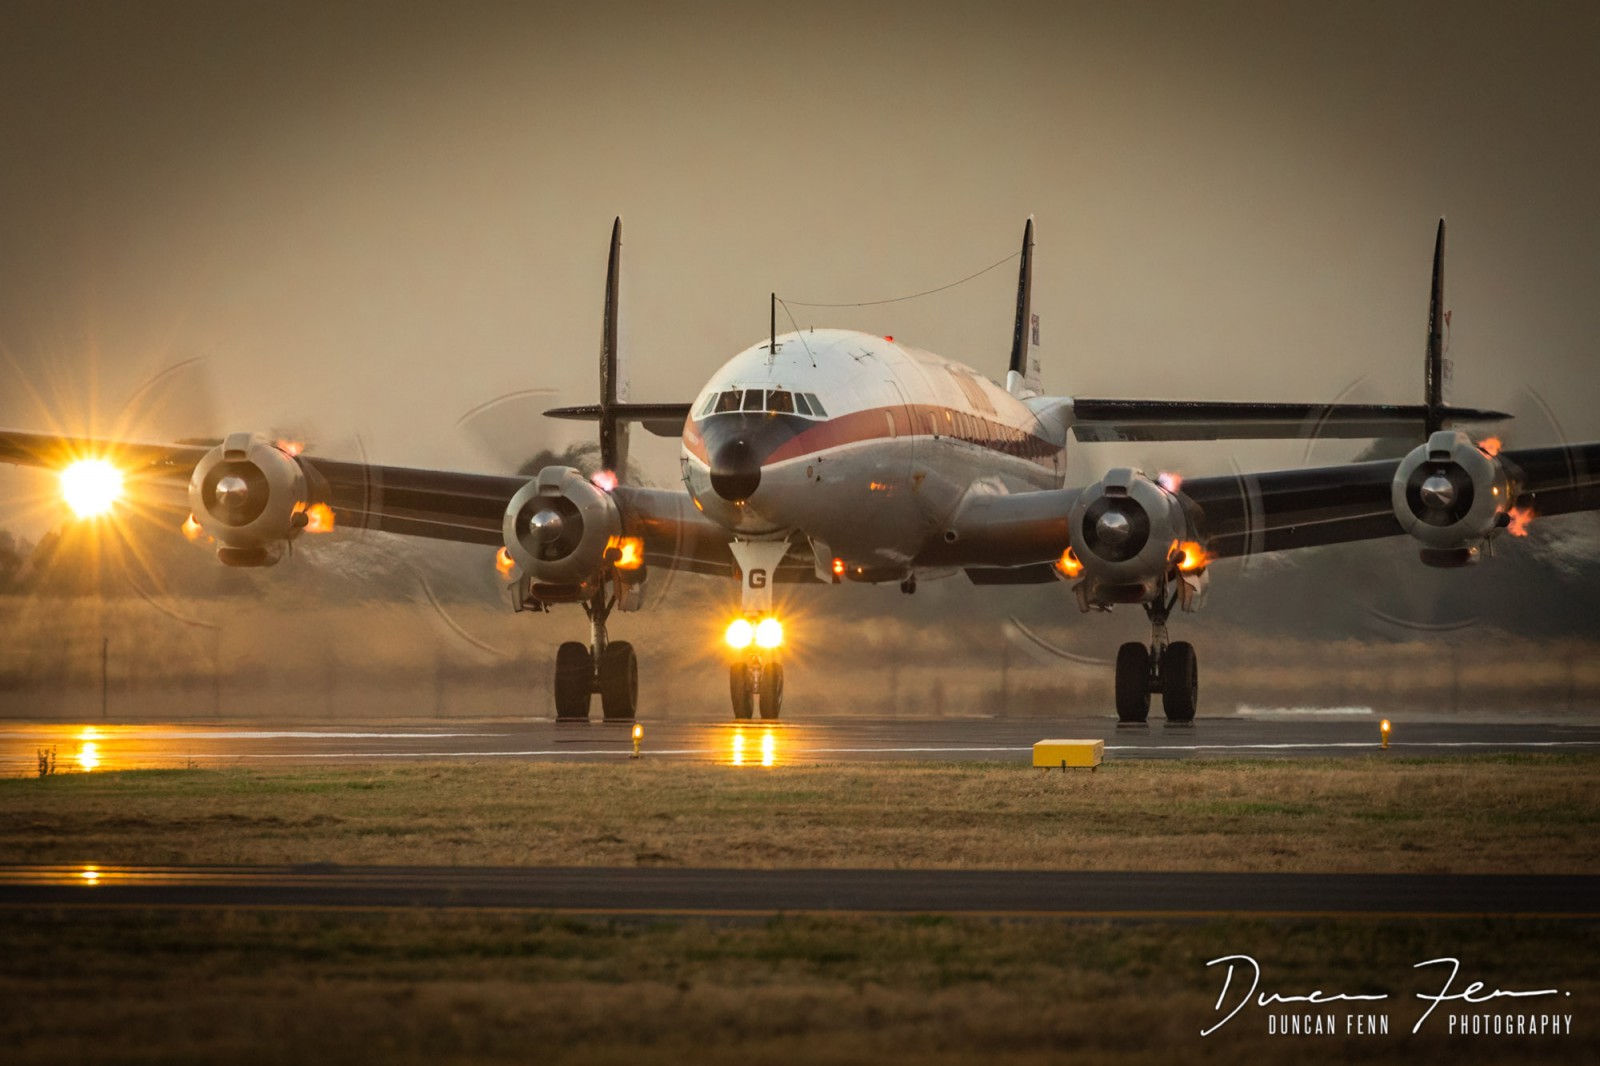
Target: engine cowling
x=250, y=496
x=1452, y=496
x=558, y=529
x=1131, y=536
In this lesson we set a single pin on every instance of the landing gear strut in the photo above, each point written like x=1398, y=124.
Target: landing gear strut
x=755, y=676
x=1166, y=668
x=606, y=666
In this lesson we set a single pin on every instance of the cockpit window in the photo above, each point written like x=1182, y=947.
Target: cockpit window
x=754, y=399
x=816, y=405
x=781, y=403
x=705, y=406
x=800, y=404
x=728, y=401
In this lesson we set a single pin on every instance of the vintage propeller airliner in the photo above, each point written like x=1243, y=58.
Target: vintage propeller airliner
x=833, y=455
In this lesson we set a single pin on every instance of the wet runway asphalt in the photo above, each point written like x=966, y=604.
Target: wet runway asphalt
x=102, y=746
x=742, y=892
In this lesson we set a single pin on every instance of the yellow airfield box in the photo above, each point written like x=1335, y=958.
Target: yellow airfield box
x=1069, y=753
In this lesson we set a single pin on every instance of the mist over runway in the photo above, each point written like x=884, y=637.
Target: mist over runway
x=1263, y=734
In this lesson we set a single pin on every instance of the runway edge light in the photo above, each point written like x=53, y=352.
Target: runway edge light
x=1383, y=728
x=638, y=735
x=1069, y=754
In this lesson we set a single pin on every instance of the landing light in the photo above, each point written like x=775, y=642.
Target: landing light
x=91, y=486
x=740, y=634
x=769, y=633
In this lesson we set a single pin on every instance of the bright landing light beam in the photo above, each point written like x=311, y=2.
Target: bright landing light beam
x=91, y=487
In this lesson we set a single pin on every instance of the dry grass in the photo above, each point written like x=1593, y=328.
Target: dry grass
x=426, y=987
x=1533, y=813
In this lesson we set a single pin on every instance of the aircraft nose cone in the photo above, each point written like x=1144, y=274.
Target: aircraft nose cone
x=735, y=470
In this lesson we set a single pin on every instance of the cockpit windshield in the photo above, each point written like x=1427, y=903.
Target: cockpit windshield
x=769, y=401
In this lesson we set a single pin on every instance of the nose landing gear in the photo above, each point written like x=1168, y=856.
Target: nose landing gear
x=755, y=677
x=1169, y=669
x=756, y=687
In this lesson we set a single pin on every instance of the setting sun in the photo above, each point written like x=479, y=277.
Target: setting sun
x=91, y=487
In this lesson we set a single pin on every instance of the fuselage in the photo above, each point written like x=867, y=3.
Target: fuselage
x=865, y=445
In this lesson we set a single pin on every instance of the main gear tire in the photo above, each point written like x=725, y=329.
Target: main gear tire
x=1180, y=682
x=1133, y=683
x=619, y=682
x=574, y=682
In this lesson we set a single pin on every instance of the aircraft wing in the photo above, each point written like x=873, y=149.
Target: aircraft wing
x=1250, y=513
x=53, y=451
x=1012, y=539
x=437, y=504
x=1167, y=420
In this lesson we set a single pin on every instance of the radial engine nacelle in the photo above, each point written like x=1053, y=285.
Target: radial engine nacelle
x=251, y=496
x=1131, y=538
x=1452, y=496
x=563, y=531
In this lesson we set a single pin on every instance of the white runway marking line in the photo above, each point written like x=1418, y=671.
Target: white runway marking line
x=917, y=750
x=1373, y=744
x=139, y=734
x=444, y=754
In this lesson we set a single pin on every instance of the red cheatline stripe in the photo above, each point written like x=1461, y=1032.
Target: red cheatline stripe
x=887, y=423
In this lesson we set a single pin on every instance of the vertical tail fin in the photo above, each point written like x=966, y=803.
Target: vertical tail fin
x=1436, y=373
x=613, y=390
x=1023, y=377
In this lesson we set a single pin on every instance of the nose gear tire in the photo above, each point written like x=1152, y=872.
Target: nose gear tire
x=771, y=690
x=739, y=689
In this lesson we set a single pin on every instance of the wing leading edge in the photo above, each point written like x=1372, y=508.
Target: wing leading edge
x=1104, y=421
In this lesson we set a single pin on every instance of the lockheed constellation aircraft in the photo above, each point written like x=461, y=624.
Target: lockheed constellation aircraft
x=831, y=455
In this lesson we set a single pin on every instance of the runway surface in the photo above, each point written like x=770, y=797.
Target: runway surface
x=1278, y=735
x=736, y=892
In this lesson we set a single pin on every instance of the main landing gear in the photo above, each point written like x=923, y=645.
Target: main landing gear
x=608, y=667
x=1166, y=668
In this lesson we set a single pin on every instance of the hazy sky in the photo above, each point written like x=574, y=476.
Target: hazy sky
x=374, y=217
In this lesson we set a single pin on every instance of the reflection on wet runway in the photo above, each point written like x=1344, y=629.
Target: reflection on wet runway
x=27, y=749
x=751, y=892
